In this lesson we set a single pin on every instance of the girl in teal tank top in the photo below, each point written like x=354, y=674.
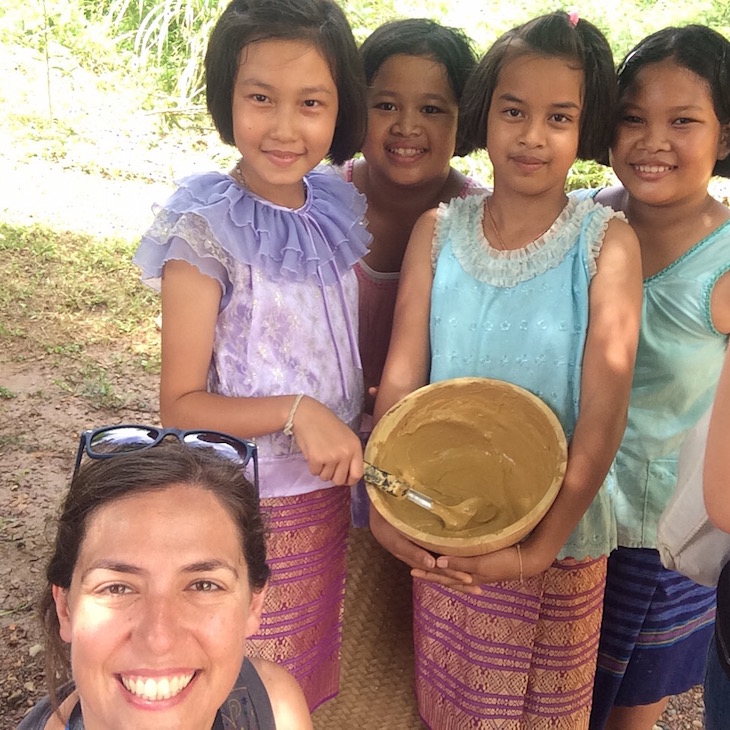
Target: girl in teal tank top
x=672, y=136
x=530, y=287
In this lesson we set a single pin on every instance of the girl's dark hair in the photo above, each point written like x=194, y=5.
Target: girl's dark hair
x=319, y=22
x=551, y=35
x=695, y=47
x=422, y=37
x=100, y=482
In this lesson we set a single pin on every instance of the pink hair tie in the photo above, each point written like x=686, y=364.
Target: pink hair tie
x=573, y=17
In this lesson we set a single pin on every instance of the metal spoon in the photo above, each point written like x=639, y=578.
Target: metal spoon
x=454, y=517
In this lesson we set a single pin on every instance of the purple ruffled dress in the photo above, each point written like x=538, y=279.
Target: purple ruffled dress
x=288, y=312
x=287, y=324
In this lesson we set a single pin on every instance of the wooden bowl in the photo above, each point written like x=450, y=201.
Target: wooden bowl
x=464, y=437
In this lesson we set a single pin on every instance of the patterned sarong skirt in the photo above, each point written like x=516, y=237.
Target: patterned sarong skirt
x=301, y=627
x=521, y=655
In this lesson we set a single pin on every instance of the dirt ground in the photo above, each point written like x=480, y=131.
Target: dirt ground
x=97, y=169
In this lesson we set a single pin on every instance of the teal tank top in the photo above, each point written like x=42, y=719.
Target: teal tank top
x=678, y=364
x=522, y=316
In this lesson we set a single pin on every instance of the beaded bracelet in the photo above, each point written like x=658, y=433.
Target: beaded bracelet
x=289, y=425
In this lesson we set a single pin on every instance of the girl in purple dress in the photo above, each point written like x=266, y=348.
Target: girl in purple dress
x=259, y=303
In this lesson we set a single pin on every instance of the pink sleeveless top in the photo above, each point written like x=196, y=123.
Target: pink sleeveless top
x=377, y=293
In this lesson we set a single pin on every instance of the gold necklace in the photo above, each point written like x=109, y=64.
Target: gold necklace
x=241, y=179
x=500, y=240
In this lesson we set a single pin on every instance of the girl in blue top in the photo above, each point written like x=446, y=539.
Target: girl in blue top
x=672, y=136
x=543, y=291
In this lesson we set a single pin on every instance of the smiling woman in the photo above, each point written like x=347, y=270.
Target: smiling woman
x=157, y=579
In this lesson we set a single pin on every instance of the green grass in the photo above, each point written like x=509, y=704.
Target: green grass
x=61, y=276
x=92, y=382
x=77, y=299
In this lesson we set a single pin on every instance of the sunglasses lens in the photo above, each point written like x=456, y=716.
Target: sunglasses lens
x=121, y=438
x=223, y=445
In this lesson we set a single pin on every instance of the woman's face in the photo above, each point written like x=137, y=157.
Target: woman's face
x=158, y=611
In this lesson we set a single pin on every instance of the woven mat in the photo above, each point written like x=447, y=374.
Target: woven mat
x=376, y=680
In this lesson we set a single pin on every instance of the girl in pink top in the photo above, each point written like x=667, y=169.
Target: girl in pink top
x=415, y=71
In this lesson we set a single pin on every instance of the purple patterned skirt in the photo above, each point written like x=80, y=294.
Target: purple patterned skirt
x=301, y=627
x=517, y=656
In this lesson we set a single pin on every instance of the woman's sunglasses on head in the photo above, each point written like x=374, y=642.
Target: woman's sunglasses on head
x=110, y=441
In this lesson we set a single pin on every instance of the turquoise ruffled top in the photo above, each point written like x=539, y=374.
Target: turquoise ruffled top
x=522, y=316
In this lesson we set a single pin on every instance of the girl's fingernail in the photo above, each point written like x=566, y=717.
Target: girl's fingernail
x=442, y=563
x=430, y=562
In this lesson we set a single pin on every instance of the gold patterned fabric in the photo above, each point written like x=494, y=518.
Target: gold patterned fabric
x=518, y=656
x=301, y=627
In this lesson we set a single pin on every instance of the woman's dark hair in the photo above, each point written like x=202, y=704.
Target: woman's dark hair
x=422, y=37
x=100, y=482
x=319, y=22
x=698, y=49
x=551, y=35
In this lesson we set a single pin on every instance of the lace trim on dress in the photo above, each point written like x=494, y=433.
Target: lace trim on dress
x=461, y=223
x=321, y=240
x=440, y=231
x=183, y=237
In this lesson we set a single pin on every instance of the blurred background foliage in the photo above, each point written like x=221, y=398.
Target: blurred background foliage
x=163, y=42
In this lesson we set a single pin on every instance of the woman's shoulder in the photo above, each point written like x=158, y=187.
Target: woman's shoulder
x=587, y=208
x=285, y=695
x=199, y=189
x=589, y=223
x=460, y=216
x=42, y=716
x=38, y=716
x=332, y=185
x=464, y=208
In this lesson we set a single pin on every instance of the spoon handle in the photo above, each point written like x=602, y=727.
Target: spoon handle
x=420, y=499
x=385, y=481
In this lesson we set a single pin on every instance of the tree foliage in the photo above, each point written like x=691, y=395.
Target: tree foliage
x=166, y=39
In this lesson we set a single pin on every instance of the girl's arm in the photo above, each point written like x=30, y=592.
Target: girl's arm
x=409, y=354
x=717, y=460
x=286, y=696
x=190, y=302
x=608, y=362
x=407, y=365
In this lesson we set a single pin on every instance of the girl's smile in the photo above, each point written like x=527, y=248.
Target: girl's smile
x=533, y=127
x=412, y=120
x=285, y=107
x=668, y=138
